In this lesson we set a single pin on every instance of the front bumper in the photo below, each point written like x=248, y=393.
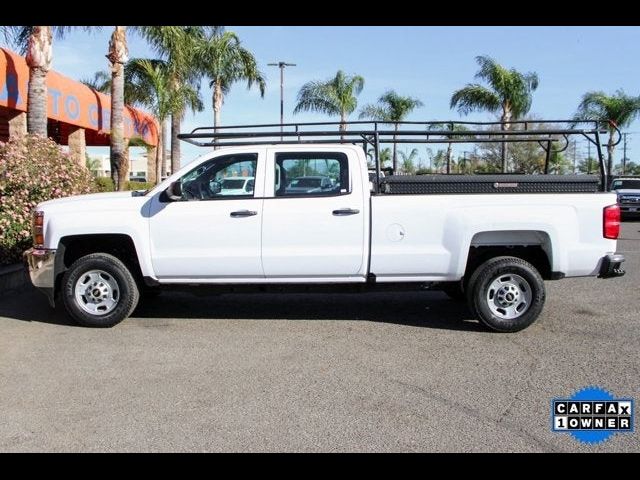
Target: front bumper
x=630, y=208
x=41, y=265
x=611, y=266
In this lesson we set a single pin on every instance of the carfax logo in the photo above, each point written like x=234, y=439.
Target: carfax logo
x=592, y=415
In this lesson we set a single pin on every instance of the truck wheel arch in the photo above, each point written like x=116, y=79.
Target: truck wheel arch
x=72, y=247
x=534, y=246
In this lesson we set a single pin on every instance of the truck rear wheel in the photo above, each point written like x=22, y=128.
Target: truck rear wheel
x=507, y=294
x=98, y=290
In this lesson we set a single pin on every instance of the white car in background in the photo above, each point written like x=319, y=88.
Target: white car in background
x=237, y=186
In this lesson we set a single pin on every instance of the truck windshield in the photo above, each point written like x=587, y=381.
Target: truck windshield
x=626, y=184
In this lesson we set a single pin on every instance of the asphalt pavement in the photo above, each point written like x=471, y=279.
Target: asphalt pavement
x=302, y=372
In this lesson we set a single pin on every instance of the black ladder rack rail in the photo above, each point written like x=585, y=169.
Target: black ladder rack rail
x=375, y=133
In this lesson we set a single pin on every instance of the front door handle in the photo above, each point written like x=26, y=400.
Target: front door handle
x=343, y=212
x=243, y=213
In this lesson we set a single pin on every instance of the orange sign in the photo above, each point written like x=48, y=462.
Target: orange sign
x=71, y=102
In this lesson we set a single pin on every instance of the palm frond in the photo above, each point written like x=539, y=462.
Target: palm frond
x=373, y=112
x=475, y=97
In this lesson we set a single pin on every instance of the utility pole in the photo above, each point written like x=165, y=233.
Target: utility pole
x=624, y=155
x=281, y=66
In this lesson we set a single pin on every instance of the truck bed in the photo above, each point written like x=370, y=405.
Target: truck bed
x=494, y=183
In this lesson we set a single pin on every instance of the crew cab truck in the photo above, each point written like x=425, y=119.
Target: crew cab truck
x=493, y=240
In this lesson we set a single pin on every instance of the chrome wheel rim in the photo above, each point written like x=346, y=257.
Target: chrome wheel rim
x=97, y=292
x=509, y=296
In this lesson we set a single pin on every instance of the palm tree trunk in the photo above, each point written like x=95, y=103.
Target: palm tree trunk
x=175, y=142
x=217, y=107
x=159, y=152
x=123, y=175
x=506, y=117
x=39, y=55
x=118, y=56
x=343, y=124
x=395, y=151
x=165, y=162
x=449, y=159
x=152, y=155
x=610, y=149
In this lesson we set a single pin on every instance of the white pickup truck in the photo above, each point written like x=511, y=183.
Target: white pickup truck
x=480, y=237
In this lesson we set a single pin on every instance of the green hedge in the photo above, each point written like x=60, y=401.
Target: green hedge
x=105, y=184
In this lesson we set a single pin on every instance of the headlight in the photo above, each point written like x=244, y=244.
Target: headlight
x=38, y=229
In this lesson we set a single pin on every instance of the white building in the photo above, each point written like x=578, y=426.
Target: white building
x=137, y=166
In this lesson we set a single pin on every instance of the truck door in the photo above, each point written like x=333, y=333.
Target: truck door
x=314, y=215
x=213, y=232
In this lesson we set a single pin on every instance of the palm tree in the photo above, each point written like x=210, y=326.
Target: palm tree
x=509, y=92
x=118, y=55
x=223, y=60
x=37, y=43
x=101, y=82
x=408, y=161
x=336, y=96
x=151, y=80
x=177, y=45
x=450, y=127
x=391, y=107
x=614, y=110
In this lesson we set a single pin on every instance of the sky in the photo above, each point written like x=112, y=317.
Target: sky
x=428, y=63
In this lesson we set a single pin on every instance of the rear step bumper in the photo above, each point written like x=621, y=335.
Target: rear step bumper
x=612, y=266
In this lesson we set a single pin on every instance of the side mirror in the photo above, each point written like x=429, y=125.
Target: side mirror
x=174, y=191
x=215, y=187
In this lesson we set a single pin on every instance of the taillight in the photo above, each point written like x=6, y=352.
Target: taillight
x=38, y=229
x=611, y=222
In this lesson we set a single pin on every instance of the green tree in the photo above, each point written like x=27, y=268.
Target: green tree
x=588, y=165
x=508, y=92
x=409, y=161
x=391, y=107
x=151, y=80
x=335, y=96
x=177, y=46
x=614, y=110
x=223, y=59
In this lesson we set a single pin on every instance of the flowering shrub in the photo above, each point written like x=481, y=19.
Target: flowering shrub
x=32, y=170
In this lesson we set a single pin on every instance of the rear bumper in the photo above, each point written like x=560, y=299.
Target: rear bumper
x=41, y=265
x=611, y=266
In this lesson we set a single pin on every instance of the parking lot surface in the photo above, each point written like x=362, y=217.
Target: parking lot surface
x=275, y=372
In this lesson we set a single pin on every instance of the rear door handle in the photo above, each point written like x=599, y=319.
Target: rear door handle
x=243, y=213
x=343, y=212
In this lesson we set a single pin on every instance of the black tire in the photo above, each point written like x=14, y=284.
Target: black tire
x=453, y=290
x=115, y=271
x=480, y=293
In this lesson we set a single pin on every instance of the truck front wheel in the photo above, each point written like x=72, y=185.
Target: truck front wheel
x=506, y=294
x=98, y=290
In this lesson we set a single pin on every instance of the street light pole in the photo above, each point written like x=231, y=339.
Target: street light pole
x=281, y=66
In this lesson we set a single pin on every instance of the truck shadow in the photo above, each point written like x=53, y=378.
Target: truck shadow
x=416, y=309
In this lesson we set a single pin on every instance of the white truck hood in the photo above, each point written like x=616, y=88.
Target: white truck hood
x=95, y=203
x=90, y=198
